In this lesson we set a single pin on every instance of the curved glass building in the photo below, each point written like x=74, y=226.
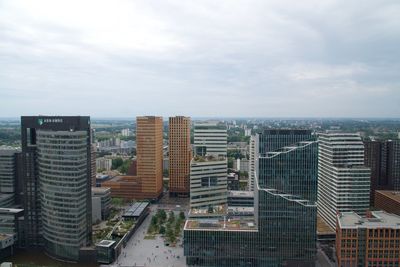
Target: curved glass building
x=57, y=179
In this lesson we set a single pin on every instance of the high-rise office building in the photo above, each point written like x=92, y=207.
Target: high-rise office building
x=208, y=169
x=8, y=177
x=180, y=154
x=210, y=137
x=149, y=142
x=56, y=174
x=343, y=180
x=253, y=156
x=208, y=182
x=8, y=171
x=383, y=157
x=283, y=231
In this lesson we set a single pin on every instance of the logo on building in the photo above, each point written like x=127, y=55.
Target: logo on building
x=40, y=121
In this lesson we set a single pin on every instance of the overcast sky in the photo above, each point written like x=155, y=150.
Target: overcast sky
x=200, y=58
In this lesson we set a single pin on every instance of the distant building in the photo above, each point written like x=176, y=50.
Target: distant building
x=247, y=132
x=166, y=164
x=368, y=241
x=126, y=132
x=57, y=207
x=233, y=181
x=103, y=163
x=241, y=165
x=388, y=201
x=180, y=155
x=343, y=180
x=383, y=157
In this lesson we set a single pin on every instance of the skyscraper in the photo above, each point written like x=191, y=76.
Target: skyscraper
x=210, y=137
x=56, y=173
x=8, y=177
x=208, y=169
x=283, y=231
x=253, y=156
x=208, y=182
x=149, y=142
x=383, y=157
x=180, y=154
x=343, y=180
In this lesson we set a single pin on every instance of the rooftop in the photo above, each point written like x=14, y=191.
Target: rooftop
x=205, y=211
x=378, y=219
x=395, y=195
x=136, y=209
x=222, y=224
x=198, y=158
x=105, y=243
x=233, y=193
x=100, y=190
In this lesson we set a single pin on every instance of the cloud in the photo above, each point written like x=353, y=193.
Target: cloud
x=200, y=58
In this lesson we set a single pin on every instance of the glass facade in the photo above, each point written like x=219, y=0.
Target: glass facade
x=285, y=210
x=63, y=174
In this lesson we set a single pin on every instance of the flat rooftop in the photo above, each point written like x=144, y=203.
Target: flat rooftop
x=249, y=194
x=394, y=195
x=378, y=219
x=100, y=190
x=222, y=224
x=105, y=243
x=210, y=158
x=136, y=209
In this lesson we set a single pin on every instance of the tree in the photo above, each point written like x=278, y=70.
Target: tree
x=171, y=217
x=154, y=220
x=125, y=166
x=162, y=216
x=182, y=215
x=162, y=230
x=116, y=163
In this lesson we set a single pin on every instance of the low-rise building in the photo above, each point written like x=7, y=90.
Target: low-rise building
x=11, y=230
x=104, y=196
x=373, y=240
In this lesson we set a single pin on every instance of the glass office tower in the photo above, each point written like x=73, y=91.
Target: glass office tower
x=283, y=231
x=56, y=175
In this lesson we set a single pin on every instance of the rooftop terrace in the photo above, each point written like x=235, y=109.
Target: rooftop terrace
x=222, y=224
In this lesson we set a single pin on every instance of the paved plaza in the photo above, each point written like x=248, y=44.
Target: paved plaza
x=150, y=252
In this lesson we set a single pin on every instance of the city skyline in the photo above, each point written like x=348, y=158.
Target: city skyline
x=270, y=58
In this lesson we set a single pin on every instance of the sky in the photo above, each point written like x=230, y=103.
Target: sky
x=121, y=58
